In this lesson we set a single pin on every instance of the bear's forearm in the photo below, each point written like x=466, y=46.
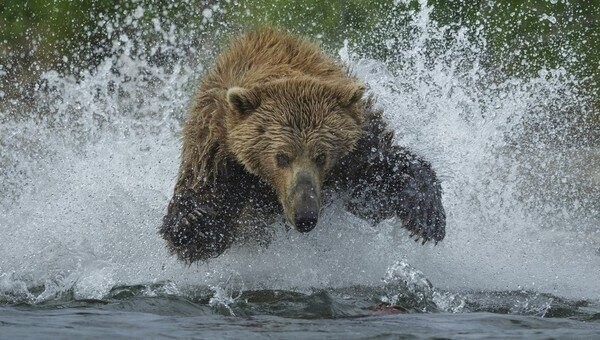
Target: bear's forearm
x=376, y=181
x=385, y=180
x=394, y=182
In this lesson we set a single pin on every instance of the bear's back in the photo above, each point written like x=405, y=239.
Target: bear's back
x=268, y=54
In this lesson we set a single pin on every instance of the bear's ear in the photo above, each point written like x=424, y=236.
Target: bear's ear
x=242, y=100
x=352, y=94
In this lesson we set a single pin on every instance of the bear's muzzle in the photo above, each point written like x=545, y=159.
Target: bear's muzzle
x=306, y=202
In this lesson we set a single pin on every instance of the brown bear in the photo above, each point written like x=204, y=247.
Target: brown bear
x=278, y=128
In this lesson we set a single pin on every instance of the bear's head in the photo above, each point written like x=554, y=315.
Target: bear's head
x=291, y=133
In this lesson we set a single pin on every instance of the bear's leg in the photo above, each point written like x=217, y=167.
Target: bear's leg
x=194, y=230
x=385, y=180
x=397, y=183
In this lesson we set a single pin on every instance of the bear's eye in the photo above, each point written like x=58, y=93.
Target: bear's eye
x=283, y=160
x=321, y=159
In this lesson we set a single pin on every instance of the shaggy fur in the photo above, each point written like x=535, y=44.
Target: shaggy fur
x=271, y=94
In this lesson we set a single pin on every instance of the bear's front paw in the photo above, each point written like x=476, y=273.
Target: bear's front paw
x=421, y=208
x=426, y=220
x=193, y=231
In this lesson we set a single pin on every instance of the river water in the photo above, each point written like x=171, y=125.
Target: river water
x=89, y=161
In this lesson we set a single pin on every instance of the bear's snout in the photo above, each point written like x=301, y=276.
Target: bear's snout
x=306, y=203
x=307, y=214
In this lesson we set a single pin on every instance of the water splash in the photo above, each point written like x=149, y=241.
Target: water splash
x=89, y=162
x=227, y=294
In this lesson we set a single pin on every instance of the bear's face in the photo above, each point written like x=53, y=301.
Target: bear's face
x=291, y=133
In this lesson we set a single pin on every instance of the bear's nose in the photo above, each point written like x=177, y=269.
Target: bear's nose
x=306, y=221
x=307, y=212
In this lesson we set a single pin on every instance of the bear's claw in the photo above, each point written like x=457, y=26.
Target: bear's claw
x=428, y=226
